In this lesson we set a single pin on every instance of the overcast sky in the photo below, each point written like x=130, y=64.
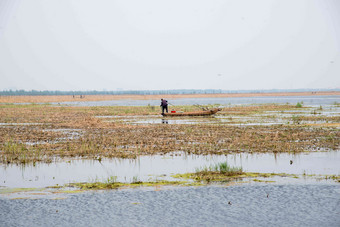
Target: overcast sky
x=169, y=44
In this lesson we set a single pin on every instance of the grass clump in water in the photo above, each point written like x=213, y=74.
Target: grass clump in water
x=221, y=168
x=226, y=169
x=218, y=172
x=299, y=105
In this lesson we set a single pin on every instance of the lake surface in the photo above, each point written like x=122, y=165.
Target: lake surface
x=307, y=100
x=243, y=205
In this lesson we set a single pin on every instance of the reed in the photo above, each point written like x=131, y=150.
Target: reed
x=33, y=133
x=224, y=168
x=220, y=168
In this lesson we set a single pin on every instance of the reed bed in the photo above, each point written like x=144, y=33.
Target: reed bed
x=52, y=132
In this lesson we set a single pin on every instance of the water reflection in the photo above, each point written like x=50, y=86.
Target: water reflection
x=162, y=167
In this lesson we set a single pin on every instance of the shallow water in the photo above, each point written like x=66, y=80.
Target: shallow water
x=266, y=118
x=256, y=205
x=160, y=167
x=307, y=100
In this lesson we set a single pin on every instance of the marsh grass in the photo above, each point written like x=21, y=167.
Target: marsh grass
x=97, y=138
x=15, y=152
x=220, y=172
x=299, y=105
x=221, y=168
x=224, y=168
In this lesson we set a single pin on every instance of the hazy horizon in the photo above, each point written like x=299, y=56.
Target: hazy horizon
x=163, y=44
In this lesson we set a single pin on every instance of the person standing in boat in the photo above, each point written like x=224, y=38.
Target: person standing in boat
x=164, y=105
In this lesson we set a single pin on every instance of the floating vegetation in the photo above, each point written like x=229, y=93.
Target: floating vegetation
x=333, y=177
x=201, y=177
x=222, y=172
x=16, y=190
x=222, y=177
x=116, y=185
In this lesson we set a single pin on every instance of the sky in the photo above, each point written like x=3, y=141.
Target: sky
x=169, y=44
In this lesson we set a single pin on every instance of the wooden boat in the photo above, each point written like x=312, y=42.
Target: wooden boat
x=196, y=113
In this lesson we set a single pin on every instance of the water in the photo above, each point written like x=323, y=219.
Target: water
x=159, y=167
x=307, y=100
x=257, y=205
x=287, y=202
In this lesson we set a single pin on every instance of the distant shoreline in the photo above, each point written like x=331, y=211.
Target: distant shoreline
x=77, y=98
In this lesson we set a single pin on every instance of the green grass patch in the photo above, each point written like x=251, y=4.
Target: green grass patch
x=299, y=105
x=221, y=168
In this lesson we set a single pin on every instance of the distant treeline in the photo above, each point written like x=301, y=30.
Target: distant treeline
x=153, y=92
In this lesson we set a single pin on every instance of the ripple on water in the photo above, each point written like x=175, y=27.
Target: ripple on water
x=267, y=205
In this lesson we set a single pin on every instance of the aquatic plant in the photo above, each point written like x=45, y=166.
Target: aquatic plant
x=135, y=180
x=221, y=177
x=97, y=185
x=298, y=105
x=111, y=180
x=223, y=167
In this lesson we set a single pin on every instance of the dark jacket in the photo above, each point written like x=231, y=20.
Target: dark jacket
x=164, y=103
